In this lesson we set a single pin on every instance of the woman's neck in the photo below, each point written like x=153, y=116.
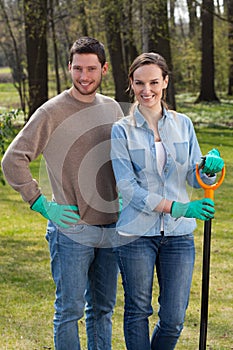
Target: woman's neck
x=151, y=115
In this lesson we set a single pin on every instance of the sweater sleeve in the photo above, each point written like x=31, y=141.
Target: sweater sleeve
x=26, y=147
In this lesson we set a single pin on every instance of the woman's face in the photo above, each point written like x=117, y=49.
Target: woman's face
x=148, y=84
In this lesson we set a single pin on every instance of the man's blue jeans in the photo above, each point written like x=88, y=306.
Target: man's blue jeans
x=83, y=275
x=173, y=258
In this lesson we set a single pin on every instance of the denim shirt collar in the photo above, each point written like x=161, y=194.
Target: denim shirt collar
x=141, y=121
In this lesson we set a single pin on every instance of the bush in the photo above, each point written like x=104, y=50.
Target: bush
x=7, y=132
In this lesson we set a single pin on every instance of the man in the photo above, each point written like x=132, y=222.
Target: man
x=72, y=131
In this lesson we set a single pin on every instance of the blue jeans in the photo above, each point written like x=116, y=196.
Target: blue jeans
x=173, y=258
x=83, y=275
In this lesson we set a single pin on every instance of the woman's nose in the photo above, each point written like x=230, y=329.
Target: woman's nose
x=146, y=88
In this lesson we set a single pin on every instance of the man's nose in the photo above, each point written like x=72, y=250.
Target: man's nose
x=84, y=74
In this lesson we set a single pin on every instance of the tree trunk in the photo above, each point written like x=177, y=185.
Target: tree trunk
x=112, y=21
x=15, y=58
x=129, y=47
x=159, y=41
x=172, y=13
x=192, y=10
x=55, y=50
x=230, y=45
x=35, y=17
x=207, y=90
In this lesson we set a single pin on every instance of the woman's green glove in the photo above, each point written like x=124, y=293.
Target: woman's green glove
x=202, y=209
x=58, y=213
x=213, y=163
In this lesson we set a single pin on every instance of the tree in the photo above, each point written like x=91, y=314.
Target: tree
x=128, y=34
x=159, y=39
x=55, y=48
x=207, y=89
x=230, y=45
x=11, y=44
x=35, y=17
x=192, y=10
x=112, y=17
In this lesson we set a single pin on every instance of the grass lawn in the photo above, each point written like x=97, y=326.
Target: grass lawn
x=27, y=290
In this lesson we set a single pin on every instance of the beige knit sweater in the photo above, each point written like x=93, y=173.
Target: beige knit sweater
x=74, y=138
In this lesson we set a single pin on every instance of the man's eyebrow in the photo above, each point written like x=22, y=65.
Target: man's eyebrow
x=78, y=66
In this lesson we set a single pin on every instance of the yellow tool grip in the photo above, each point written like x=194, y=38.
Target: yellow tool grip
x=209, y=189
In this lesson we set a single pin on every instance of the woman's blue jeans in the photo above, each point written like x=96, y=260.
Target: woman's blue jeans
x=83, y=275
x=173, y=258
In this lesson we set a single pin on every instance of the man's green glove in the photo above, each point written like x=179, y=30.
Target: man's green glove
x=213, y=163
x=58, y=213
x=202, y=209
x=120, y=202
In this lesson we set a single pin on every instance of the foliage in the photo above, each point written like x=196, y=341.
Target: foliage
x=7, y=131
x=187, y=70
x=75, y=18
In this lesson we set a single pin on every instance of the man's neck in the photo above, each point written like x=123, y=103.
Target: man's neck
x=82, y=98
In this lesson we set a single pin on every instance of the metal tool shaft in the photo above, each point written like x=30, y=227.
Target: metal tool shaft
x=205, y=285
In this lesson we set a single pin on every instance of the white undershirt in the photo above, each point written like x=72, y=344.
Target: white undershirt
x=160, y=156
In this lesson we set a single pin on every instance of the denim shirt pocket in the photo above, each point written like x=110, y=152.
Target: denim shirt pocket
x=181, y=152
x=138, y=159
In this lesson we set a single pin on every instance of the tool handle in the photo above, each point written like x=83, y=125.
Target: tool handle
x=209, y=189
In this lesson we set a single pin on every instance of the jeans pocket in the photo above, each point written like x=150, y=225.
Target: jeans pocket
x=50, y=231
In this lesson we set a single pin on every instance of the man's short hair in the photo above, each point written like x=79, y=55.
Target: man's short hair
x=88, y=45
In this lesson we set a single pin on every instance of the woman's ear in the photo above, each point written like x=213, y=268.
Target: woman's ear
x=131, y=83
x=165, y=82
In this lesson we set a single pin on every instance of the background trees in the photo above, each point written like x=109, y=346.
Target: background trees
x=35, y=21
x=207, y=92
x=195, y=37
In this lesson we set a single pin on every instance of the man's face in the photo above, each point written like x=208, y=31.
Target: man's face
x=86, y=74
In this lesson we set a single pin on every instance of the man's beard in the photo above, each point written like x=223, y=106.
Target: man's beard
x=85, y=92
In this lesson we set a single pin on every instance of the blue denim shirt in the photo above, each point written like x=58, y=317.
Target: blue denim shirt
x=133, y=155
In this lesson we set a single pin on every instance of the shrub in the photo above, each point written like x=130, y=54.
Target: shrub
x=7, y=132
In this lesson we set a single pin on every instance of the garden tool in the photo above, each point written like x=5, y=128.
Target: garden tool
x=209, y=193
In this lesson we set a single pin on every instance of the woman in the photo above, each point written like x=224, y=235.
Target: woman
x=154, y=154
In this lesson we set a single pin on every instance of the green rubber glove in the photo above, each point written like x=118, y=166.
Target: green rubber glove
x=58, y=213
x=213, y=163
x=202, y=209
x=120, y=202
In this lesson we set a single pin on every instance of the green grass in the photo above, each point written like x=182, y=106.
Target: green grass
x=26, y=286
x=27, y=290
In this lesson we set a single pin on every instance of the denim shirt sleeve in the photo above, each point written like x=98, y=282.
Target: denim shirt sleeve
x=130, y=189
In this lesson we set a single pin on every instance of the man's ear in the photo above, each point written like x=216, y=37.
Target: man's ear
x=105, y=68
